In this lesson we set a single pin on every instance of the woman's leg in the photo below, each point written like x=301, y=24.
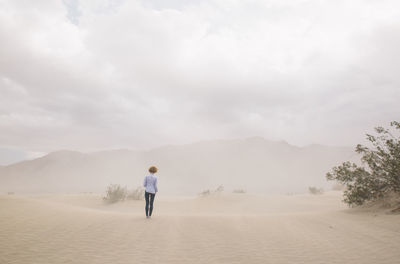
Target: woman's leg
x=146, y=197
x=152, y=196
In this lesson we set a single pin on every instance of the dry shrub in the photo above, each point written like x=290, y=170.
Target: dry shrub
x=208, y=192
x=115, y=193
x=315, y=190
x=136, y=194
x=205, y=193
x=219, y=189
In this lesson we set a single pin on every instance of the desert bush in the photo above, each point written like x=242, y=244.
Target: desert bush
x=315, y=190
x=219, y=189
x=205, y=193
x=239, y=191
x=136, y=194
x=380, y=175
x=208, y=192
x=115, y=193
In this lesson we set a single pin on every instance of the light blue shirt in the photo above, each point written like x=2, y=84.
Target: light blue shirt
x=150, y=183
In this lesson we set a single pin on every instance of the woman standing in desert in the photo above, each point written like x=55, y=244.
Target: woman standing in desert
x=150, y=183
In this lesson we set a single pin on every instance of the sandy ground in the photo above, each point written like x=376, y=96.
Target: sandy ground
x=230, y=228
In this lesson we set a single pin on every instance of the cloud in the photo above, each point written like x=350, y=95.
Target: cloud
x=89, y=75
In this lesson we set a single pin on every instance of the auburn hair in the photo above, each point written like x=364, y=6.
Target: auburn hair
x=153, y=169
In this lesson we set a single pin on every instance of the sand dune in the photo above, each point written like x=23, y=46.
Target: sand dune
x=230, y=228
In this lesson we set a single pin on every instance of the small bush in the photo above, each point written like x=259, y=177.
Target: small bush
x=219, y=189
x=315, y=190
x=239, y=191
x=205, y=193
x=208, y=192
x=136, y=194
x=115, y=193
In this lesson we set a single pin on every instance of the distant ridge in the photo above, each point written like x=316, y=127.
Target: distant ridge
x=254, y=164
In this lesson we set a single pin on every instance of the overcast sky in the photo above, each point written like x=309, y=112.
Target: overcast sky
x=90, y=75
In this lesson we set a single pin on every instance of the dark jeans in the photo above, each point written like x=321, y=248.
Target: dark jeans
x=149, y=199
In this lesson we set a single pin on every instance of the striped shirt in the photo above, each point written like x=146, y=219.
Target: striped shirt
x=150, y=183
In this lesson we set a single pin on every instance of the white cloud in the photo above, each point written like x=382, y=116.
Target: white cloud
x=103, y=74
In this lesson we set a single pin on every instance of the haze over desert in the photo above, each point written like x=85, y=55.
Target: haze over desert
x=213, y=131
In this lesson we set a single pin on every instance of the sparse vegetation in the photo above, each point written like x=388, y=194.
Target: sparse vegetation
x=219, y=189
x=381, y=176
x=239, y=191
x=315, y=190
x=208, y=192
x=205, y=193
x=136, y=194
x=115, y=193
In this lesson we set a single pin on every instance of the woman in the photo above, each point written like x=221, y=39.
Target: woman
x=150, y=183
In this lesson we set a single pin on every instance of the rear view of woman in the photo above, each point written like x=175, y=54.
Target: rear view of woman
x=150, y=183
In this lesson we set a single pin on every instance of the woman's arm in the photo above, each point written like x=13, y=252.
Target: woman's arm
x=145, y=181
x=155, y=185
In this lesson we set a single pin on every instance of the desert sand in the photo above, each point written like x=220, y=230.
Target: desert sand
x=226, y=228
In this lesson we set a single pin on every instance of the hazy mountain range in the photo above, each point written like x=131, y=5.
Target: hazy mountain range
x=253, y=164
